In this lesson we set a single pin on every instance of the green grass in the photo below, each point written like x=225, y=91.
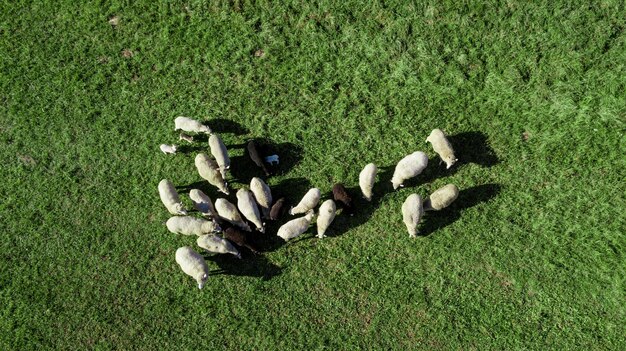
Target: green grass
x=532, y=256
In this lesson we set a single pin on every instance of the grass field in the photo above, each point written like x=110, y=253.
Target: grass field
x=531, y=256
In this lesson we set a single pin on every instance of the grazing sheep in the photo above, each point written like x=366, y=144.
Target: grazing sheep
x=409, y=167
x=442, y=147
x=309, y=201
x=256, y=158
x=208, y=169
x=248, y=207
x=186, y=137
x=192, y=264
x=215, y=244
x=170, y=198
x=202, y=203
x=218, y=150
x=441, y=198
x=188, y=225
x=325, y=217
x=228, y=212
x=262, y=194
x=190, y=125
x=295, y=227
x=367, y=177
x=278, y=209
x=168, y=149
x=412, y=211
x=340, y=194
x=240, y=238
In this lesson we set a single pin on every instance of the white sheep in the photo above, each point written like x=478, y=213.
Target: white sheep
x=215, y=244
x=367, y=177
x=442, y=147
x=262, y=195
x=412, y=211
x=441, y=198
x=409, y=167
x=192, y=264
x=168, y=149
x=188, y=225
x=170, y=198
x=295, y=227
x=325, y=217
x=190, y=125
x=202, y=202
x=208, y=169
x=218, y=150
x=248, y=207
x=308, y=202
x=228, y=212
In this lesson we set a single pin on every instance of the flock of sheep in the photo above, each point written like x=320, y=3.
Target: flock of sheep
x=255, y=202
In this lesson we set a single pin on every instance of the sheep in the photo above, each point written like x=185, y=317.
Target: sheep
x=170, y=198
x=168, y=149
x=325, y=217
x=248, y=207
x=188, y=225
x=409, y=167
x=278, y=209
x=412, y=211
x=240, y=238
x=186, y=137
x=441, y=198
x=215, y=244
x=262, y=194
x=256, y=158
x=367, y=177
x=295, y=227
x=309, y=201
x=229, y=213
x=190, y=125
x=340, y=194
x=202, y=203
x=218, y=150
x=192, y=264
x=442, y=147
x=208, y=169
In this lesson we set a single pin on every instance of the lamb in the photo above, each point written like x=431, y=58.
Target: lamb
x=248, y=207
x=367, y=177
x=188, y=225
x=208, y=169
x=168, y=149
x=262, y=194
x=409, y=167
x=192, y=264
x=215, y=244
x=309, y=201
x=202, y=203
x=340, y=194
x=412, y=211
x=441, y=198
x=442, y=147
x=295, y=227
x=240, y=238
x=186, y=137
x=325, y=217
x=170, y=198
x=229, y=213
x=190, y=125
x=278, y=209
x=256, y=158
x=218, y=150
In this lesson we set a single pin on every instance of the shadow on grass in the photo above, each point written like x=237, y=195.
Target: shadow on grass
x=243, y=169
x=223, y=126
x=473, y=147
x=250, y=265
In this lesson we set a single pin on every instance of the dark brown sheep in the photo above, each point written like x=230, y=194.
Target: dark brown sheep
x=340, y=194
x=278, y=209
x=239, y=238
x=256, y=158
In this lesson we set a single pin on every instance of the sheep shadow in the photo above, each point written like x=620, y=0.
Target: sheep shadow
x=223, y=125
x=250, y=265
x=473, y=147
x=243, y=169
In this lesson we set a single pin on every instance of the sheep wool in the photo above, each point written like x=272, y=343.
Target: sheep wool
x=188, y=225
x=412, y=211
x=190, y=125
x=208, y=169
x=186, y=137
x=340, y=194
x=202, y=202
x=255, y=157
x=325, y=217
x=262, y=195
x=215, y=244
x=170, y=198
x=367, y=177
x=295, y=227
x=308, y=202
x=441, y=198
x=248, y=207
x=409, y=167
x=240, y=238
x=218, y=150
x=192, y=264
x=278, y=209
x=168, y=149
x=229, y=213
x=442, y=147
